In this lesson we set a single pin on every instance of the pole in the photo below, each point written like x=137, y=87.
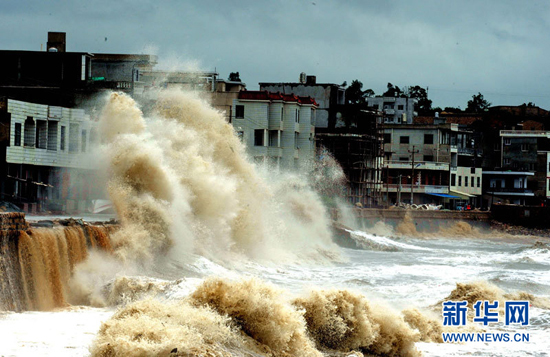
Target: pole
x=412, y=176
x=388, y=186
x=399, y=192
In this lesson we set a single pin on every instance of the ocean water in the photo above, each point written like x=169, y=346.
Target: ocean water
x=419, y=274
x=218, y=256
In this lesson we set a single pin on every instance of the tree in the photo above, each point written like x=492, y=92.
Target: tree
x=478, y=104
x=234, y=77
x=393, y=91
x=368, y=93
x=355, y=93
x=423, y=105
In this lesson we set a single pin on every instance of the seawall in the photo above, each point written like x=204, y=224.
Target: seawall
x=37, y=259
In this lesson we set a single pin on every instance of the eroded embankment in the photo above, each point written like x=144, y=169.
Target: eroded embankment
x=36, y=263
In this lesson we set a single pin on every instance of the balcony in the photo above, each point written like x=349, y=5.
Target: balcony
x=406, y=188
x=389, y=111
x=510, y=191
x=418, y=165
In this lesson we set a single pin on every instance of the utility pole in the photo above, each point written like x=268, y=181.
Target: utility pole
x=399, y=192
x=412, y=176
x=388, y=186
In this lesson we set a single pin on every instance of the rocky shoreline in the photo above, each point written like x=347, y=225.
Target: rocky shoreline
x=519, y=230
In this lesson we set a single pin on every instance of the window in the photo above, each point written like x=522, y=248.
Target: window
x=497, y=147
x=297, y=116
x=52, y=135
x=459, y=180
x=239, y=111
x=296, y=137
x=428, y=158
x=30, y=132
x=403, y=158
x=83, y=141
x=41, y=134
x=531, y=167
x=17, y=135
x=524, y=147
x=73, y=137
x=274, y=138
x=465, y=181
x=479, y=181
x=240, y=135
x=472, y=170
x=259, y=137
x=387, y=138
x=506, y=161
x=62, y=139
x=472, y=181
x=400, y=107
x=403, y=139
x=453, y=179
x=428, y=139
x=507, y=141
x=282, y=113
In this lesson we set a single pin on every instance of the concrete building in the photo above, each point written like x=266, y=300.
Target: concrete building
x=219, y=92
x=397, y=110
x=276, y=128
x=526, y=153
x=511, y=187
x=326, y=95
x=67, y=79
x=43, y=149
x=431, y=163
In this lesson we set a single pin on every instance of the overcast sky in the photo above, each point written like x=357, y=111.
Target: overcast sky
x=500, y=48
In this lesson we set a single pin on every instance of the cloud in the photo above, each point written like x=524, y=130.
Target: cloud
x=495, y=47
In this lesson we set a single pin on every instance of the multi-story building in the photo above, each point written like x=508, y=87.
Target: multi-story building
x=68, y=79
x=219, y=92
x=397, y=110
x=326, y=95
x=277, y=128
x=431, y=163
x=43, y=148
x=523, y=174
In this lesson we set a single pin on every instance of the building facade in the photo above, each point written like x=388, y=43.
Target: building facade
x=397, y=110
x=44, y=149
x=277, y=129
x=431, y=163
x=326, y=95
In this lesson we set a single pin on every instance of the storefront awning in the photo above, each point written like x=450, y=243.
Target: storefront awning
x=463, y=195
x=442, y=195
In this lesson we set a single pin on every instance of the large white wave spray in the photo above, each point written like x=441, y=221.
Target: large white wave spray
x=180, y=179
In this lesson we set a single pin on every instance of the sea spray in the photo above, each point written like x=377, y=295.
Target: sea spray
x=181, y=183
x=253, y=318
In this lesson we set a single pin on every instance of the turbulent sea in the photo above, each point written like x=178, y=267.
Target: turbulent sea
x=217, y=256
x=419, y=273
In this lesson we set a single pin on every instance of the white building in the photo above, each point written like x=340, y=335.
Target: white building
x=397, y=110
x=45, y=149
x=436, y=162
x=276, y=127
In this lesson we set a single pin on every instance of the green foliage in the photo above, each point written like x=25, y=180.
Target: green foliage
x=355, y=93
x=478, y=104
x=234, y=77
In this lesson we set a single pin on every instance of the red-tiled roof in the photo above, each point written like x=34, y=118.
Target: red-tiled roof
x=423, y=120
x=308, y=100
x=462, y=119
